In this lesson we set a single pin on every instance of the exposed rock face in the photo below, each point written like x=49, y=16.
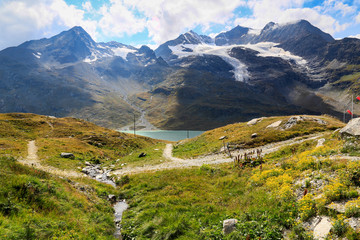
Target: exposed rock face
x=353, y=222
x=294, y=120
x=229, y=225
x=274, y=124
x=352, y=128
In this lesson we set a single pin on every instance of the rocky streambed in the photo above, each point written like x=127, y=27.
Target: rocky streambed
x=103, y=175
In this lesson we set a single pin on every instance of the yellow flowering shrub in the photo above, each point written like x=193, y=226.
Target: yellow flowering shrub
x=306, y=162
x=339, y=226
x=307, y=207
x=286, y=192
x=260, y=177
x=352, y=208
x=335, y=191
x=276, y=182
x=351, y=174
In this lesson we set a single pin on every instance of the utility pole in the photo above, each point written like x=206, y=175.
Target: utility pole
x=134, y=126
x=187, y=134
x=352, y=106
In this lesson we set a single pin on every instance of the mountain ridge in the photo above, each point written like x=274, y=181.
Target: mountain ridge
x=189, y=82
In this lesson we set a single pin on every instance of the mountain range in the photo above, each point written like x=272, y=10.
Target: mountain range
x=191, y=82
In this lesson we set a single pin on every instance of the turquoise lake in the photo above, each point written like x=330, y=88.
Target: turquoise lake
x=169, y=135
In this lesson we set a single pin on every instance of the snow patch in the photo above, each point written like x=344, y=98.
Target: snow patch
x=91, y=59
x=269, y=49
x=264, y=49
x=37, y=55
x=122, y=52
x=240, y=70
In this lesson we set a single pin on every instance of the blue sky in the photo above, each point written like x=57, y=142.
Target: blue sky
x=153, y=22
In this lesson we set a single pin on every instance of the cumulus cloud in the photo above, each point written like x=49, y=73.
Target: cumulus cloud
x=167, y=19
x=118, y=20
x=21, y=20
x=87, y=6
x=335, y=6
x=284, y=11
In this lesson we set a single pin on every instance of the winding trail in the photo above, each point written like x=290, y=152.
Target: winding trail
x=32, y=160
x=210, y=159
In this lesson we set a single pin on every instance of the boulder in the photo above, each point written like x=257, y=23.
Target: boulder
x=254, y=121
x=67, y=155
x=254, y=135
x=339, y=207
x=352, y=128
x=222, y=137
x=142, y=155
x=322, y=229
x=320, y=142
x=111, y=198
x=274, y=124
x=229, y=225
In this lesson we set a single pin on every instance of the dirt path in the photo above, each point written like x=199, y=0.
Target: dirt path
x=168, y=154
x=32, y=160
x=210, y=159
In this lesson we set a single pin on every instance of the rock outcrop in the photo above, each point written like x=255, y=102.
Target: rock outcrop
x=352, y=128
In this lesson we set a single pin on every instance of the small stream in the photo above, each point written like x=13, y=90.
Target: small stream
x=119, y=208
x=103, y=175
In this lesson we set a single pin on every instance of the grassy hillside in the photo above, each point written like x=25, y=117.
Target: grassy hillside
x=239, y=135
x=36, y=205
x=277, y=199
x=87, y=141
x=182, y=102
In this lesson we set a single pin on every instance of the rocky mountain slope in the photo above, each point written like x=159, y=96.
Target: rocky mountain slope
x=192, y=82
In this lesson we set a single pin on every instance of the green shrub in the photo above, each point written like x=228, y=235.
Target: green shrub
x=339, y=227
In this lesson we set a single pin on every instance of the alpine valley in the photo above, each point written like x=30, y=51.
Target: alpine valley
x=191, y=82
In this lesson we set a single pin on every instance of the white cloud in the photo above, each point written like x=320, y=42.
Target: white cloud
x=167, y=19
x=356, y=36
x=118, y=20
x=334, y=6
x=87, y=6
x=22, y=20
x=284, y=11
